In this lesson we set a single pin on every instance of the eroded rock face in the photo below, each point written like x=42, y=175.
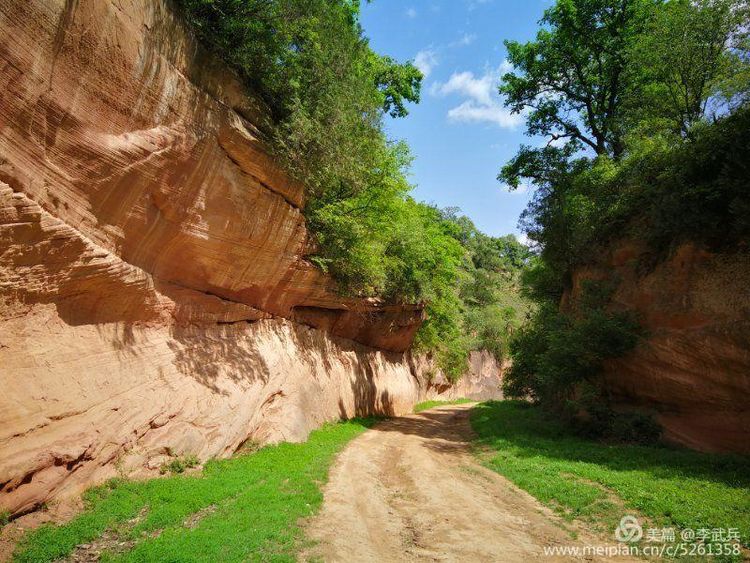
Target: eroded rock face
x=113, y=122
x=152, y=276
x=85, y=403
x=693, y=369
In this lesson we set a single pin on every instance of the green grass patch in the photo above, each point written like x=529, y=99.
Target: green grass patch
x=419, y=407
x=245, y=508
x=599, y=483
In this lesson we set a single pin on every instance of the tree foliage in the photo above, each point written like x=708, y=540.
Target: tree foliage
x=644, y=104
x=489, y=286
x=572, y=78
x=686, y=57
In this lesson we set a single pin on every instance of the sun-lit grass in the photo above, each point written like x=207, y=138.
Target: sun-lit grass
x=250, y=507
x=599, y=483
x=423, y=406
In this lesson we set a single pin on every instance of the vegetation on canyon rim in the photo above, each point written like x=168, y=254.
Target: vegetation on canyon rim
x=327, y=93
x=645, y=104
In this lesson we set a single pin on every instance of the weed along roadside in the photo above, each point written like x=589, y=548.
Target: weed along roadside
x=695, y=504
x=247, y=507
x=603, y=499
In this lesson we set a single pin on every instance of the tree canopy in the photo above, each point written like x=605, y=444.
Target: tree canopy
x=571, y=78
x=600, y=69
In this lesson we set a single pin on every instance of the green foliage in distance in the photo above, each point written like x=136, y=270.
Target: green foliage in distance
x=489, y=286
x=427, y=405
x=645, y=106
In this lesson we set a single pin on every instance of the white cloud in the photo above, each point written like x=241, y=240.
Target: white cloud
x=411, y=13
x=466, y=39
x=482, y=103
x=522, y=189
x=505, y=68
x=465, y=83
x=426, y=60
x=470, y=111
x=524, y=239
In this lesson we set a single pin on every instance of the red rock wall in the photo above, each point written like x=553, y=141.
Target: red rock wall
x=112, y=122
x=85, y=403
x=693, y=369
x=152, y=272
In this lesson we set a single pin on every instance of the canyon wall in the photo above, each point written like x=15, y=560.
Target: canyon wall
x=85, y=403
x=115, y=123
x=692, y=369
x=155, y=300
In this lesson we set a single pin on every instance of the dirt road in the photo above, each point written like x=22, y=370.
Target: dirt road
x=410, y=490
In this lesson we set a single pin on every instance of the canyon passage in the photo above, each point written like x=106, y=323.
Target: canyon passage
x=233, y=328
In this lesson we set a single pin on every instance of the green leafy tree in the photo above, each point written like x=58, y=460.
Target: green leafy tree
x=687, y=56
x=571, y=79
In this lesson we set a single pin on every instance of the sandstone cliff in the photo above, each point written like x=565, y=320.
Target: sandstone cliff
x=692, y=371
x=116, y=125
x=155, y=299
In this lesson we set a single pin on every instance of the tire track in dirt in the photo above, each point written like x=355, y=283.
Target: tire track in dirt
x=410, y=490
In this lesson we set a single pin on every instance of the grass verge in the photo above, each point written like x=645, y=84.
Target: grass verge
x=245, y=508
x=599, y=483
x=423, y=406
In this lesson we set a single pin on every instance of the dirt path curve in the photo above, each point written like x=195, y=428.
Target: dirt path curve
x=410, y=490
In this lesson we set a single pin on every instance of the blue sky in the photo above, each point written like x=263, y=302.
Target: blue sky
x=460, y=133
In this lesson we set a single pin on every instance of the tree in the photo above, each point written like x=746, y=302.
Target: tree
x=572, y=78
x=287, y=50
x=398, y=83
x=684, y=58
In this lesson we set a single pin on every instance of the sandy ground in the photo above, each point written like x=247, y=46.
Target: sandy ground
x=58, y=513
x=411, y=490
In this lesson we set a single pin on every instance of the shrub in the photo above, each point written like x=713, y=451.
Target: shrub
x=590, y=414
x=555, y=353
x=180, y=464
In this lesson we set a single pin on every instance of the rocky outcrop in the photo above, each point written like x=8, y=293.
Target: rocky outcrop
x=115, y=124
x=692, y=370
x=155, y=299
x=481, y=382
